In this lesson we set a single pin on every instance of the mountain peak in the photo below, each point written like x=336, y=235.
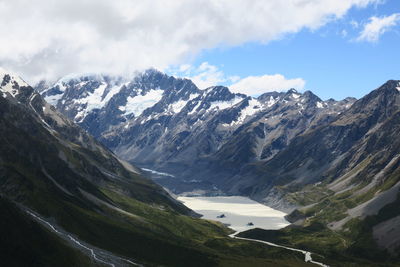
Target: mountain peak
x=292, y=94
x=389, y=88
x=391, y=85
x=10, y=82
x=379, y=104
x=218, y=88
x=151, y=73
x=311, y=96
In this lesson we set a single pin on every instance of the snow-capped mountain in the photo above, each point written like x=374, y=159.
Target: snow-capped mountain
x=10, y=83
x=166, y=123
x=98, y=102
x=17, y=91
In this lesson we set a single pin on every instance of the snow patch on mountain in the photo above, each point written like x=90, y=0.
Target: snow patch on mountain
x=320, y=105
x=93, y=100
x=253, y=107
x=180, y=104
x=225, y=104
x=137, y=104
x=272, y=101
x=296, y=96
x=113, y=91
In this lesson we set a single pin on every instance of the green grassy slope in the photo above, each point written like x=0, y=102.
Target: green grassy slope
x=26, y=243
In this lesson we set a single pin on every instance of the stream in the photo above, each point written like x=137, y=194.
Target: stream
x=99, y=255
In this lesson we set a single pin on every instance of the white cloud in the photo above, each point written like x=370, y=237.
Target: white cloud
x=54, y=37
x=256, y=85
x=377, y=26
x=207, y=75
x=204, y=76
x=184, y=67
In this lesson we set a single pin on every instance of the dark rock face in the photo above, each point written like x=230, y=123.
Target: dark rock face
x=331, y=150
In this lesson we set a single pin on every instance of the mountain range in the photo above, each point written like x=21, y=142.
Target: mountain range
x=166, y=124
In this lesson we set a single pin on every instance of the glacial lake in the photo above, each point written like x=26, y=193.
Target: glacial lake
x=238, y=212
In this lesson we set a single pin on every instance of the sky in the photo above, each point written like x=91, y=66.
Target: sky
x=333, y=48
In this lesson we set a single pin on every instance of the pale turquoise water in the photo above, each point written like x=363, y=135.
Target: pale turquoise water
x=239, y=211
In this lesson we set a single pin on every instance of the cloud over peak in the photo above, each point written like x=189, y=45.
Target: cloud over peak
x=206, y=75
x=257, y=85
